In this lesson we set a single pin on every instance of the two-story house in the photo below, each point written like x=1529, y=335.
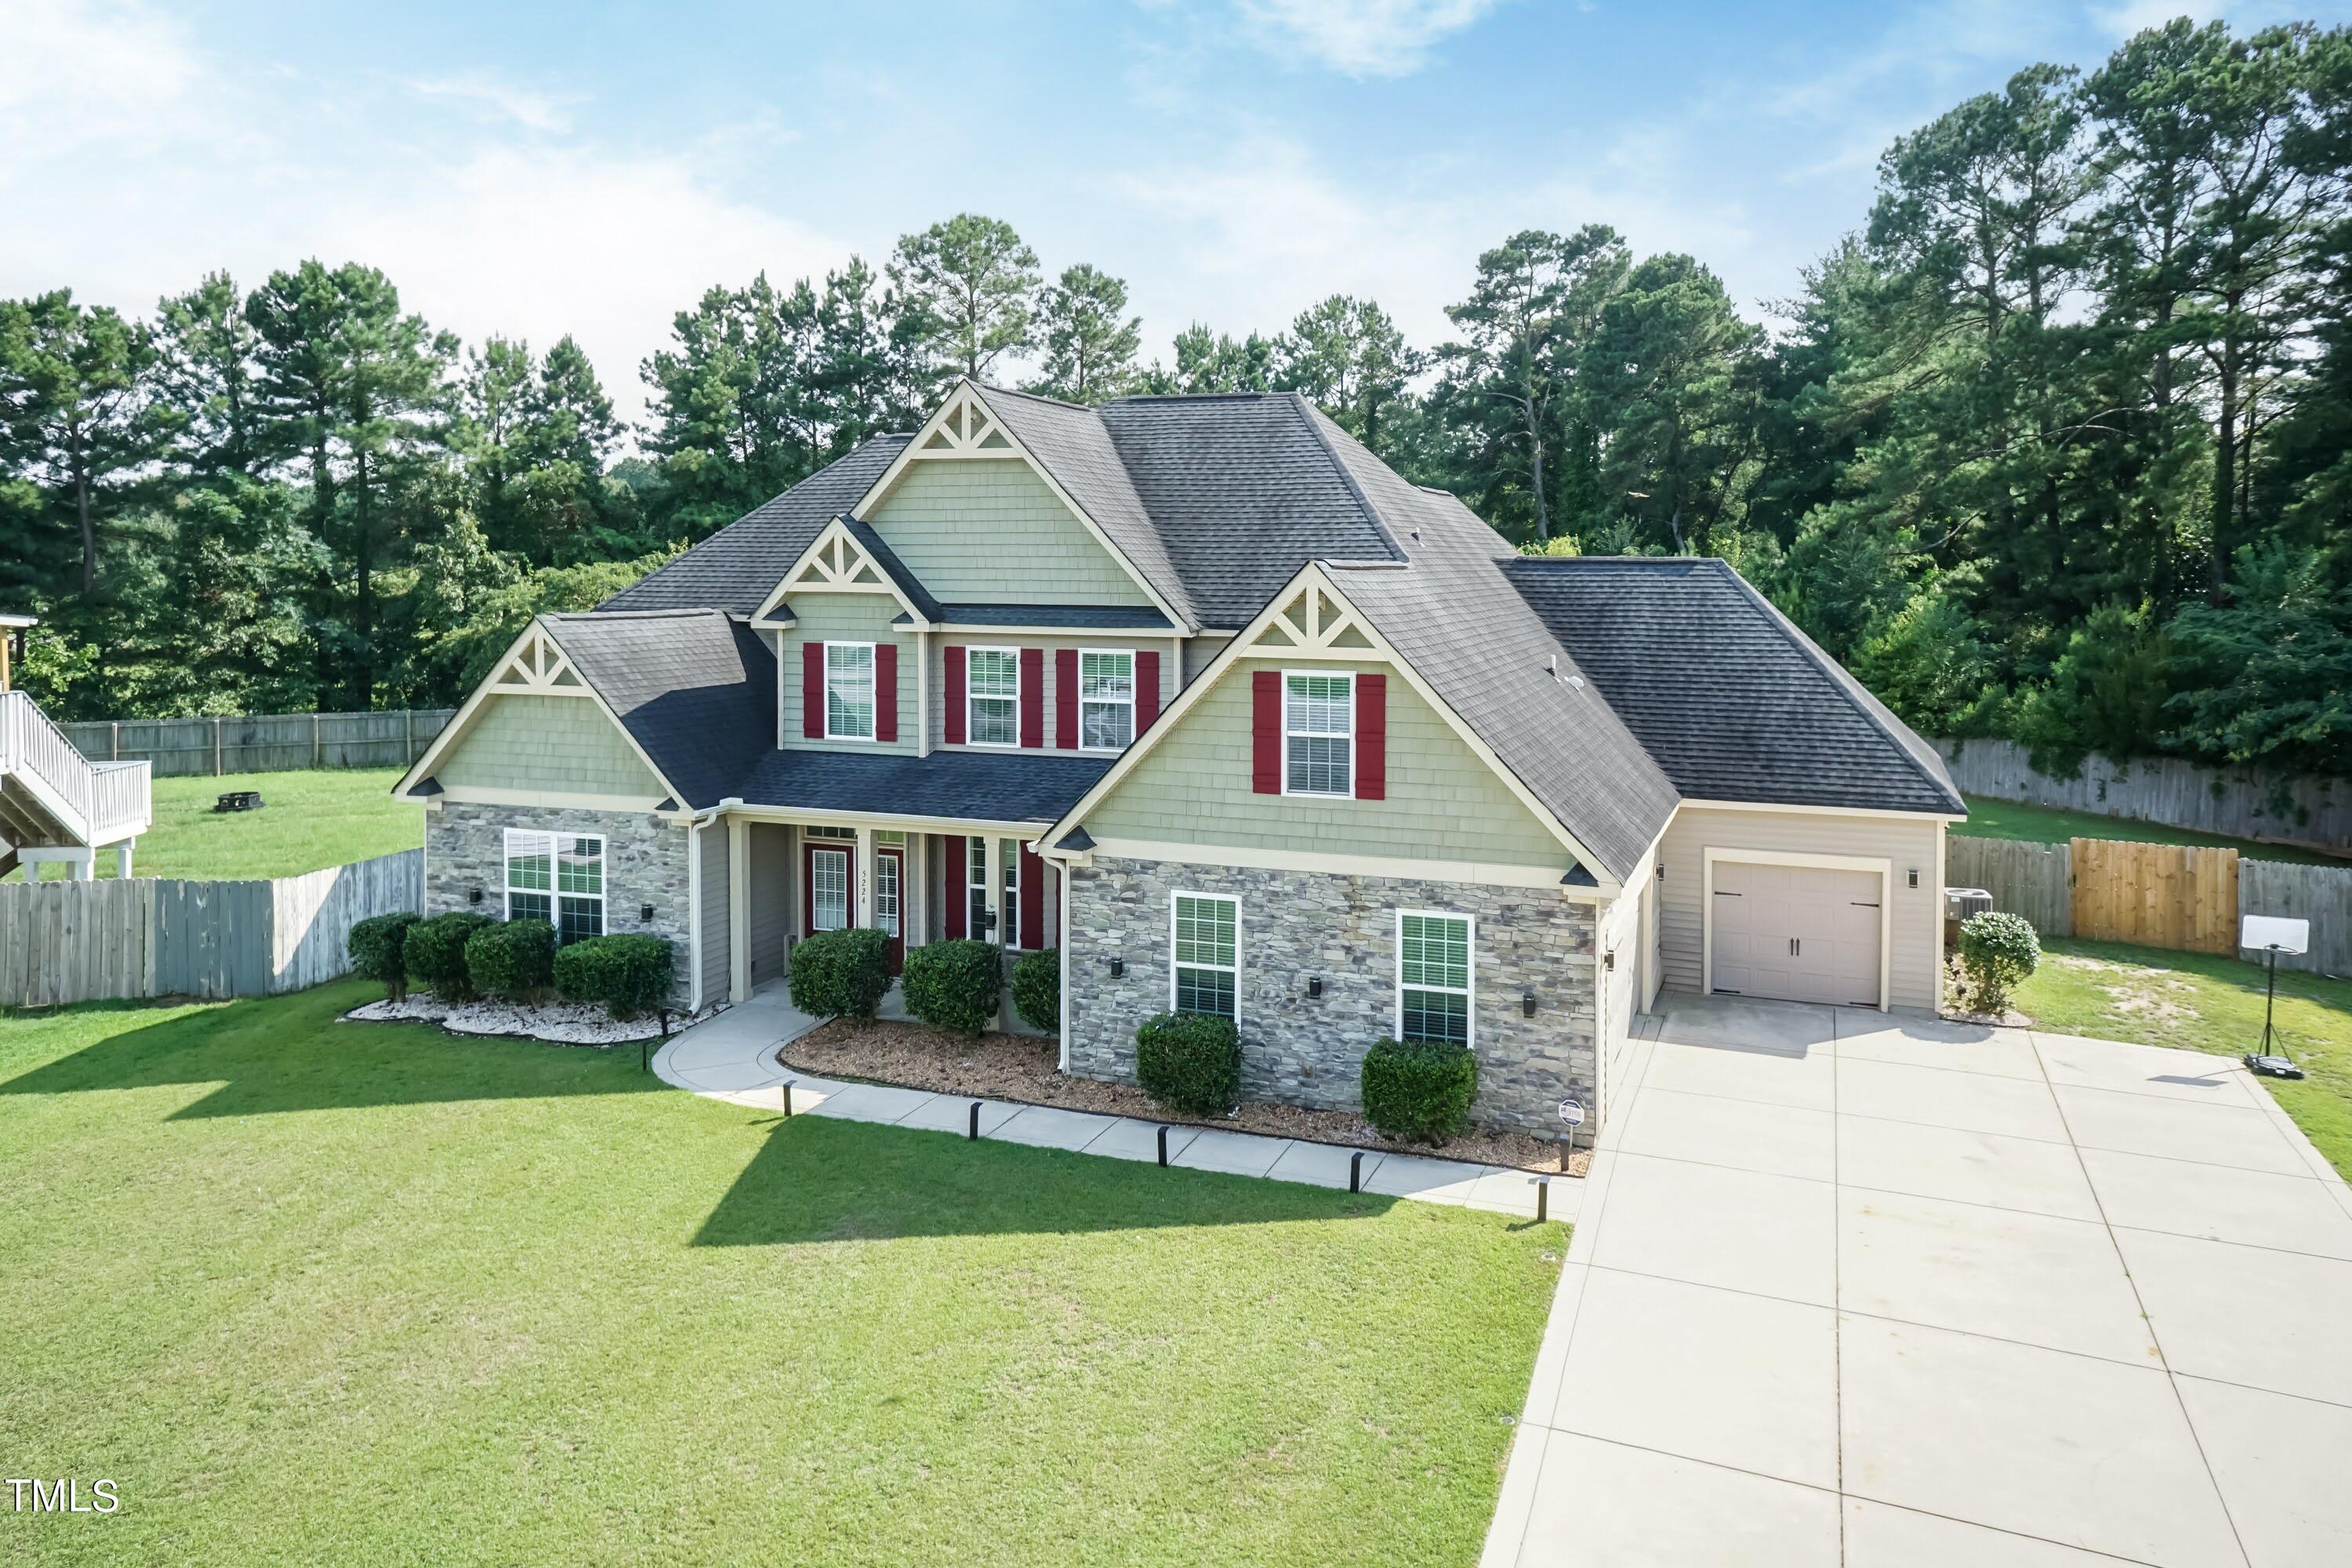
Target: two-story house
x=1200, y=692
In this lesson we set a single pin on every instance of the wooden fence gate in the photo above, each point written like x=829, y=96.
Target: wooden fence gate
x=2158, y=895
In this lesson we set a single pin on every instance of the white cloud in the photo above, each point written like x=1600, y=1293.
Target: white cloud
x=75, y=74
x=1362, y=37
x=499, y=99
x=469, y=194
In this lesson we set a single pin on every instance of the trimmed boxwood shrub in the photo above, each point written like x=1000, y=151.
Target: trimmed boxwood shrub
x=1189, y=1062
x=514, y=960
x=841, y=973
x=1038, y=989
x=1998, y=949
x=1419, y=1089
x=435, y=953
x=377, y=947
x=955, y=984
x=629, y=975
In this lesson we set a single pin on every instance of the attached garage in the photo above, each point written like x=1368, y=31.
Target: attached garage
x=1796, y=932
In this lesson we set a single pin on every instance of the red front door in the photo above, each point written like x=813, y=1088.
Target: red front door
x=830, y=894
x=890, y=902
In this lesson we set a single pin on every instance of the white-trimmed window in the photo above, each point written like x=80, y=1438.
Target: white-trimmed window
x=975, y=885
x=1008, y=901
x=849, y=691
x=1106, y=700
x=558, y=877
x=1319, y=733
x=1204, y=956
x=992, y=696
x=1434, y=976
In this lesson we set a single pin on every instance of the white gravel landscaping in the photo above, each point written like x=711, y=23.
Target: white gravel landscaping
x=562, y=1023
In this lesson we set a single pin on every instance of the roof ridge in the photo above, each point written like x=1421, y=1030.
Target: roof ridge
x=1187, y=397
x=1035, y=396
x=637, y=615
x=1839, y=677
x=1307, y=412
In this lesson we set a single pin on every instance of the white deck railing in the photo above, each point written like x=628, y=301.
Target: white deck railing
x=97, y=803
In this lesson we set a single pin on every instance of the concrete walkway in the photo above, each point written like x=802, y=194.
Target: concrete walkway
x=733, y=1057
x=1860, y=1291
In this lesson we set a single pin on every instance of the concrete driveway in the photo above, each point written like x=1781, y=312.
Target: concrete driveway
x=1851, y=1288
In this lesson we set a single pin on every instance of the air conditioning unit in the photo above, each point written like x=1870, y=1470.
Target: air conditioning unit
x=1959, y=903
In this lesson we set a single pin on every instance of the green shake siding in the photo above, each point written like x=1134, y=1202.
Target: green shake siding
x=1444, y=803
x=984, y=532
x=563, y=745
x=846, y=617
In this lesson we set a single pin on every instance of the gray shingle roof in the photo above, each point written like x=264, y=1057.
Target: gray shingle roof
x=976, y=787
x=738, y=567
x=695, y=689
x=1731, y=699
x=1453, y=614
x=1072, y=444
x=1245, y=490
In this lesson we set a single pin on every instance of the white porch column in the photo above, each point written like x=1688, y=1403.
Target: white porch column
x=864, y=879
x=81, y=863
x=122, y=859
x=993, y=847
x=738, y=910
x=915, y=888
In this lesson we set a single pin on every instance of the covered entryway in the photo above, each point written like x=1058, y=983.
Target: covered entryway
x=1793, y=932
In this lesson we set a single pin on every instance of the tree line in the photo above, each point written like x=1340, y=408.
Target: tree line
x=2056, y=445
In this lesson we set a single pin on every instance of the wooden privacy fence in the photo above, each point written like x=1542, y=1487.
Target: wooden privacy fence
x=86, y=941
x=2158, y=895
x=2308, y=810
x=262, y=743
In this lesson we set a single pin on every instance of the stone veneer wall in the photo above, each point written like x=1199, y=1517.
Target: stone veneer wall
x=645, y=863
x=1294, y=924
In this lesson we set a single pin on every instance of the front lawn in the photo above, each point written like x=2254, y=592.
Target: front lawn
x=314, y=1292
x=309, y=821
x=2205, y=1003
x=2053, y=825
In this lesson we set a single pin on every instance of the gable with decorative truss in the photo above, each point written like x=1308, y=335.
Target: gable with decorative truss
x=1315, y=623
x=536, y=665
x=973, y=515
x=834, y=562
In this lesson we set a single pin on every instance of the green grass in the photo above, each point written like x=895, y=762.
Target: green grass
x=2052, y=825
x=313, y=1292
x=308, y=820
x=2201, y=1002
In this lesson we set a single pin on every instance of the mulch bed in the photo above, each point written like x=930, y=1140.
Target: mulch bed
x=1023, y=1069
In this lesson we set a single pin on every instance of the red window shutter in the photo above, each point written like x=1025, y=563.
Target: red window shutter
x=886, y=691
x=1066, y=697
x=953, y=660
x=1032, y=901
x=1147, y=689
x=1265, y=732
x=812, y=690
x=958, y=855
x=1033, y=697
x=1371, y=737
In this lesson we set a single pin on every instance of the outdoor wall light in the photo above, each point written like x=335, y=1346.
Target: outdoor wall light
x=1117, y=967
x=475, y=897
x=1915, y=876
x=1608, y=960
x=1526, y=1004
x=1315, y=985
x=646, y=914
x=1662, y=870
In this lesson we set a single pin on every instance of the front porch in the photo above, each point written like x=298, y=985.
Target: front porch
x=790, y=875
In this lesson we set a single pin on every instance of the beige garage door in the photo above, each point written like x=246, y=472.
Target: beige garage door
x=1798, y=933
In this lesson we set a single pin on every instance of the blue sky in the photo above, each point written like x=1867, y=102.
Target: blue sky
x=539, y=169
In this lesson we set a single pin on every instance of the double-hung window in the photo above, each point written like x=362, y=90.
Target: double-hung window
x=558, y=877
x=849, y=691
x=993, y=697
x=1008, y=897
x=1318, y=734
x=1205, y=969
x=1106, y=701
x=1433, y=965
